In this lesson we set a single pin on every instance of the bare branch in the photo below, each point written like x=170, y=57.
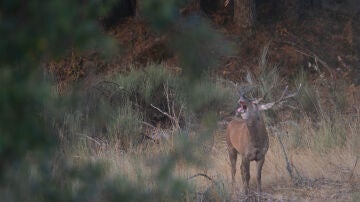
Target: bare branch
x=176, y=122
x=161, y=111
x=147, y=124
x=202, y=175
x=166, y=89
x=285, y=97
x=311, y=54
x=283, y=94
x=289, y=166
x=90, y=138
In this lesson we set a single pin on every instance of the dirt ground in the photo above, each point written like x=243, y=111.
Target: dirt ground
x=334, y=176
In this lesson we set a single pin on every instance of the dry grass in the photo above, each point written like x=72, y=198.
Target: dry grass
x=323, y=176
x=322, y=146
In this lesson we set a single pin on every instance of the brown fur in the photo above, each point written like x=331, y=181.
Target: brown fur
x=249, y=138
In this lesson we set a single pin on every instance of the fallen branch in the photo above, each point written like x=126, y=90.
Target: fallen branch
x=202, y=175
x=214, y=183
x=310, y=54
x=289, y=166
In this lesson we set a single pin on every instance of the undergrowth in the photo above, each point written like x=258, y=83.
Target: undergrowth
x=128, y=108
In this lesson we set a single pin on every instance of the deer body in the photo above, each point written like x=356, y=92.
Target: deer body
x=248, y=137
x=249, y=141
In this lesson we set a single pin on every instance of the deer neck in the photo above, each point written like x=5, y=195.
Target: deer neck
x=252, y=115
x=255, y=121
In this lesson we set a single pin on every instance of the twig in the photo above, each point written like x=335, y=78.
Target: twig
x=316, y=58
x=171, y=106
x=90, y=138
x=202, y=175
x=168, y=115
x=166, y=88
x=180, y=111
x=147, y=124
x=283, y=93
x=161, y=111
x=290, y=95
x=310, y=54
x=214, y=183
x=288, y=164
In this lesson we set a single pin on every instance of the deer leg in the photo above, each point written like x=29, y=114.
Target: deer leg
x=233, y=158
x=245, y=174
x=259, y=166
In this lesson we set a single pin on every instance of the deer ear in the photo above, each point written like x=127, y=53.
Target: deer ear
x=266, y=106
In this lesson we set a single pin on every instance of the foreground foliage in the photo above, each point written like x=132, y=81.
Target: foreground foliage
x=32, y=136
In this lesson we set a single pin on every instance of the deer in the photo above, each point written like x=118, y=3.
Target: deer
x=248, y=136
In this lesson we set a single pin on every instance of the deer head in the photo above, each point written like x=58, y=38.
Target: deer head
x=251, y=107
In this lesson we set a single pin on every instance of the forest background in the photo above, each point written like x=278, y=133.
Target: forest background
x=128, y=100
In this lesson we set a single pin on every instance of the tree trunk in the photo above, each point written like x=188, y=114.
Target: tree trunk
x=245, y=13
x=191, y=6
x=196, y=4
x=135, y=4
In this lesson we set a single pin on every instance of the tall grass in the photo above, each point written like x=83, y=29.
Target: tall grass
x=107, y=127
x=125, y=126
x=308, y=99
x=111, y=164
x=315, y=119
x=314, y=146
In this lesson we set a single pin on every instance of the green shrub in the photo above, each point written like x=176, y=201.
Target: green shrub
x=36, y=31
x=169, y=92
x=331, y=133
x=308, y=98
x=125, y=125
x=115, y=111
